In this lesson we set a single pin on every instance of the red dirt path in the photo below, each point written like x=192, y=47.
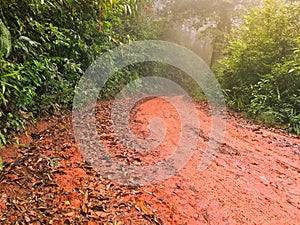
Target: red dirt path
x=255, y=178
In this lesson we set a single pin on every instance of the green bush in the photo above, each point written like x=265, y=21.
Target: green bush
x=45, y=46
x=260, y=71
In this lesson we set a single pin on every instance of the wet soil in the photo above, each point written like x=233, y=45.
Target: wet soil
x=255, y=178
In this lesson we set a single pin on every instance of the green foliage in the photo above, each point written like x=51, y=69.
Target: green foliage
x=261, y=68
x=45, y=46
x=1, y=164
x=53, y=161
x=294, y=122
x=5, y=41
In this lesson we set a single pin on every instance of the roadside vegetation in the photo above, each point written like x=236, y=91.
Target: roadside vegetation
x=45, y=47
x=260, y=69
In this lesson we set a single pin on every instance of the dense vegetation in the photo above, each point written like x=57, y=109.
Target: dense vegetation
x=46, y=45
x=260, y=71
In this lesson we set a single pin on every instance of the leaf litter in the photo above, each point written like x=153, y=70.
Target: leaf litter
x=47, y=181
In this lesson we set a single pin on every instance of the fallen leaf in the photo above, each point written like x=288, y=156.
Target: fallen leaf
x=84, y=208
x=141, y=206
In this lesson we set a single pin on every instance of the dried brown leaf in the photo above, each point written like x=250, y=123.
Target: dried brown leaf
x=141, y=206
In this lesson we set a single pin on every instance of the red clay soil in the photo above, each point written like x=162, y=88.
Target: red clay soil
x=255, y=178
